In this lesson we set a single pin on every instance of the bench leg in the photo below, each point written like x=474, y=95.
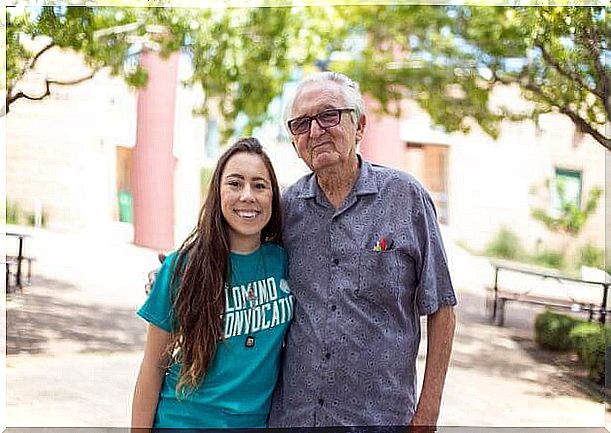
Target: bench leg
x=11, y=283
x=29, y=271
x=489, y=306
x=495, y=308
x=500, y=312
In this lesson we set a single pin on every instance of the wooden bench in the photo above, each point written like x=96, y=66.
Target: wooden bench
x=27, y=259
x=512, y=284
x=20, y=257
x=10, y=274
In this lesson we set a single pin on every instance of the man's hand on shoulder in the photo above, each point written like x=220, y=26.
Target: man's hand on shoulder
x=152, y=275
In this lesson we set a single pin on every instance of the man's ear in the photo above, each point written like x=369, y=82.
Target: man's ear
x=360, y=128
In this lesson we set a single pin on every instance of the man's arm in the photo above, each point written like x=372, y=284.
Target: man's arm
x=440, y=333
x=152, y=275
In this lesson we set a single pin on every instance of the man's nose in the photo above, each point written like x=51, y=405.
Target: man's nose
x=316, y=130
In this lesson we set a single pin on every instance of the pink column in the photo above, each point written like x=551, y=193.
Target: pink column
x=382, y=139
x=153, y=162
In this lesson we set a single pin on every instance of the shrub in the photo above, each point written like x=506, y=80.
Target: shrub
x=593, y=349
x=552, y=330
x=590, y=255
x=550, y=258
x=30, y=218
x=16, y=215
x=12, y=213
x=581, y=334
x=505, y=244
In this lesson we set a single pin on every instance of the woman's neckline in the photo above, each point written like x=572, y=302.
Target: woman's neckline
x=247, y=253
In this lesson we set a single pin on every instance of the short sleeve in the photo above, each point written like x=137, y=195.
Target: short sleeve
x=157, y=309
x=434, y=283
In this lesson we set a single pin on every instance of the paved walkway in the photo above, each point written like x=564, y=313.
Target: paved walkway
x=74, y=345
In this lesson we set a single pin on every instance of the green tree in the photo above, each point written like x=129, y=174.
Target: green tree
x=242, y=57
x=75, y=28
x=450, y=58
x=447, y=58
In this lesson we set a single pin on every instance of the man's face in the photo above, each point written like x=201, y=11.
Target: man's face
x=322, y=148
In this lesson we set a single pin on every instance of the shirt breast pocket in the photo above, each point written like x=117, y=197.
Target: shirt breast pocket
x=378, y=276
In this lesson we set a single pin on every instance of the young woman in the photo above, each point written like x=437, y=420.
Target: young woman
x=220, y=307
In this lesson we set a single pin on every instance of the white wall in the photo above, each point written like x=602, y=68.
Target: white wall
x=61, y=150
x=492, y=182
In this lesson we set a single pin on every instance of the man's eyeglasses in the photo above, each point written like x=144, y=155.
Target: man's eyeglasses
x=325, y=119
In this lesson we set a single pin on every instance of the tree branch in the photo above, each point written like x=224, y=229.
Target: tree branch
x=571, y=75
x=40, y=53
x=584, y=126
x=22, y=95
x=33, y=62
x=503, y=80
x=579, y=122
x=76, y=81
x=591, y=42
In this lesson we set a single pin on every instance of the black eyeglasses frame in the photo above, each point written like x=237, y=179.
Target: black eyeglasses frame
x=316, y=118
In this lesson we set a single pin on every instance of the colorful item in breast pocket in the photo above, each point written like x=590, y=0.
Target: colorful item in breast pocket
x=382, y=245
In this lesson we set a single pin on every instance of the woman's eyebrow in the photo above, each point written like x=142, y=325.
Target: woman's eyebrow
x=241, y=176
x=238, y=175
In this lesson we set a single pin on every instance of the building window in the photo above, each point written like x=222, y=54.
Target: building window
x=566, y=189
x=429, y=163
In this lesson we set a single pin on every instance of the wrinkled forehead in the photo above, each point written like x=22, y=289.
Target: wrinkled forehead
x=317, y=96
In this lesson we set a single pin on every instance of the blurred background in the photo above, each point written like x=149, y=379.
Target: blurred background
x=115, y=118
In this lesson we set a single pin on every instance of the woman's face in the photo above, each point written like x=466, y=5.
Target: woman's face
x=246, y=200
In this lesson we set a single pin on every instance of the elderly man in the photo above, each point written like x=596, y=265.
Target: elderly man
x=366, y=260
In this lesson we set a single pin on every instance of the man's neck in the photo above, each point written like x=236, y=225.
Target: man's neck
x=336, y=182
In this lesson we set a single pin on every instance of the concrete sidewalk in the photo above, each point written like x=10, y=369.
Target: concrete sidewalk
x=74, y=345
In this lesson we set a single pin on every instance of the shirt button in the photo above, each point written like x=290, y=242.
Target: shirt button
x=321, y=401
x=327, y=355
x=336, y=261
x=333, y=307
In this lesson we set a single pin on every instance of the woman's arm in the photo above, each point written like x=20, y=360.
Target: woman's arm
x=150, y=377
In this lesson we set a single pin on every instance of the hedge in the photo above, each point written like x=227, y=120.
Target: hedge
x=590, y=340
x=552, y=330
x=556, y=331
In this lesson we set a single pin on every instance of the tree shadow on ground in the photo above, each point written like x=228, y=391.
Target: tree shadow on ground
x=572, y=372
x=507, y=351
x=38, y=323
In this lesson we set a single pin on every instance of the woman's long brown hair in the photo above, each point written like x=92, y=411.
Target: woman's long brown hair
x=202, y=267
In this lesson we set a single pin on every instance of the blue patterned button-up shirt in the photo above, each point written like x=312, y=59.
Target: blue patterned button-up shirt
x=351, y=351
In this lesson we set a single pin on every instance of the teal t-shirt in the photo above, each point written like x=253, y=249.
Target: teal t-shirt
x=237, y=389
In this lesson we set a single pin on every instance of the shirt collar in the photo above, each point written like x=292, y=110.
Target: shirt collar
x=365, y=183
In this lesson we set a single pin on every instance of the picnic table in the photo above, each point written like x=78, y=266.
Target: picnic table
x=18, y=259
x=514, y=284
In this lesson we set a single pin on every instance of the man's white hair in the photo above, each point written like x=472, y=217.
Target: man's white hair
x=349, y=88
